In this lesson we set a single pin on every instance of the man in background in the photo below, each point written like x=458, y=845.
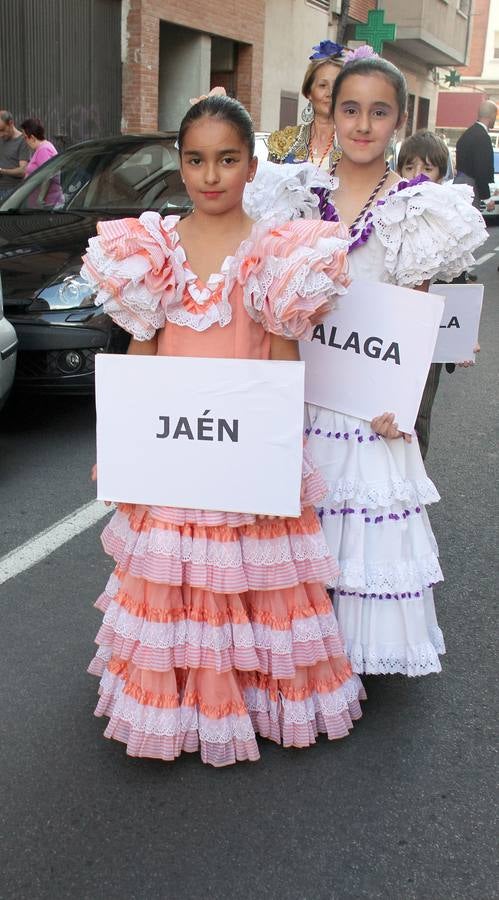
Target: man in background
x=474, y=152
x=14, y=155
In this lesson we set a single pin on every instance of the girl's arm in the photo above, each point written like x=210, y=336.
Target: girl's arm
x=143, y=348
x=282, y=348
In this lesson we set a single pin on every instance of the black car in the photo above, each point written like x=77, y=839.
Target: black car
x=44, y=229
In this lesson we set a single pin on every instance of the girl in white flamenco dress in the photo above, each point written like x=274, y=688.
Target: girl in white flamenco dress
x=374, y=517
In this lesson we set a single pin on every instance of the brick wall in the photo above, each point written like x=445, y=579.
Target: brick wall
x=479, y=23
x=239, y=20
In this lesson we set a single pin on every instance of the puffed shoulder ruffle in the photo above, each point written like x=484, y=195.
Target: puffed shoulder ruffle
x=286, y=190
x=291, y=274
x=428, y=231
x=130, y=263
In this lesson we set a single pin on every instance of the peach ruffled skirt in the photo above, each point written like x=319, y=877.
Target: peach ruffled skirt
x=217, y=627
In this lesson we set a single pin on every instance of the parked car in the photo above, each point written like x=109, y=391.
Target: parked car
x=44, y=229
x=494, y=191
x=59, y=327
x=8, y=351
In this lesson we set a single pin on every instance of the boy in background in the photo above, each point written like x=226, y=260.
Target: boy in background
x=424, y=153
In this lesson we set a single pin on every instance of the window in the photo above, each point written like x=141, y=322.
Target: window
x=410, y=115
x=496, y=44
x=423, y=113
x=112, y=175
x=288, y=113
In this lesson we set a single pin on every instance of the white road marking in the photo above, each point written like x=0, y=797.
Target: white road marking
x=482, y=259
x=44, y=543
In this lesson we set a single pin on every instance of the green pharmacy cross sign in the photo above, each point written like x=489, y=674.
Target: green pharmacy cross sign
x=453, y=78
x=377, y=31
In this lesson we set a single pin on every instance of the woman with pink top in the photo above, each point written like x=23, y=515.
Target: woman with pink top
x=34, y=135
x=43, y=150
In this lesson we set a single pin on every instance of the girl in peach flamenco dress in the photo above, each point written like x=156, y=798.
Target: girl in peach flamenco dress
x=217, y=626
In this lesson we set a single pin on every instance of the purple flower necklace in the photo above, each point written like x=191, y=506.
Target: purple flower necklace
x=372, y=196
x=360, y=233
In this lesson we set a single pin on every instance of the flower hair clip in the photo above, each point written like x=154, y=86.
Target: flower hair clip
x=363, y=52
x=327, y=50
x=216, y=91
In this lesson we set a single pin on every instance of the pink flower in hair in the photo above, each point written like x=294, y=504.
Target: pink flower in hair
x=363, y=52
x=220, y=91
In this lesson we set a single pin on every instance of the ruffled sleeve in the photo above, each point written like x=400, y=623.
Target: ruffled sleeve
x=286, y=191
x=291, y=274
x=428, y=231
x=130, y=263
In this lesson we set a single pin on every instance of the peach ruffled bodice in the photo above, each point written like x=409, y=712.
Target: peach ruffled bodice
x=278, y=281
x=242, y=338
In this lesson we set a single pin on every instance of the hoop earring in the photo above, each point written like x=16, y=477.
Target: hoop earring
x=307, y=114
x=392, y=148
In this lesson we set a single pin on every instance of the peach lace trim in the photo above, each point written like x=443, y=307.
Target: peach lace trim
x=143, y=610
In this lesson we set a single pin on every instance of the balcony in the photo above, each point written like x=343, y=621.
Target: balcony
x=433, y=31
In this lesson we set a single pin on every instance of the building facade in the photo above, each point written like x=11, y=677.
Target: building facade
x=458, y=106
x=430, y=34
x=176, y=49
x=90, y=68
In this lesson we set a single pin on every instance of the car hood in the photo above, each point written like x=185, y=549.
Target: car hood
x=36, y=246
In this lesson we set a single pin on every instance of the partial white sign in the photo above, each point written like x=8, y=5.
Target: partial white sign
x=372, y=353
x=458, y=332
x=217, y=434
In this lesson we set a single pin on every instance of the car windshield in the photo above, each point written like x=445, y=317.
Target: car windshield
x=104, y=177
x=496, y=162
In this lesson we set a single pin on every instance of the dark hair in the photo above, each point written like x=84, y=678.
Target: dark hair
x=428, y=147
x=33, y=128
x=227, y=110
x=374, y=65
x=311, y=72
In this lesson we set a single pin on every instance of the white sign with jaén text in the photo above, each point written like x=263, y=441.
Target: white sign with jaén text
x=214, y=434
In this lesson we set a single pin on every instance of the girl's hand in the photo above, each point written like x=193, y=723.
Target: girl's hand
x=386, y=426
x=93, y=477
x=470, y=362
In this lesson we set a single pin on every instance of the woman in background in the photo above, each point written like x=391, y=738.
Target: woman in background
x=34, y=135
x=314, y=140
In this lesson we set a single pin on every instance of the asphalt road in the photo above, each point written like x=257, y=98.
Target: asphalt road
x=401, y=809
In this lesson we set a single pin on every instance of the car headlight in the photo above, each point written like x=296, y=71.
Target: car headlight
x=73, y=292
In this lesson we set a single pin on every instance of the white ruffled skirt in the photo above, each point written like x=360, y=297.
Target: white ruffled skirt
x=377, y=527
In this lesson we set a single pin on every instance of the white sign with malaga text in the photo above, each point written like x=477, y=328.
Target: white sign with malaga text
x=458, y=332
x=372, y=353
x=214, y=434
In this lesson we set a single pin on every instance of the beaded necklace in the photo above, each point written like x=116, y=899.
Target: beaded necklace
x=370, y=199
x=326, y=152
